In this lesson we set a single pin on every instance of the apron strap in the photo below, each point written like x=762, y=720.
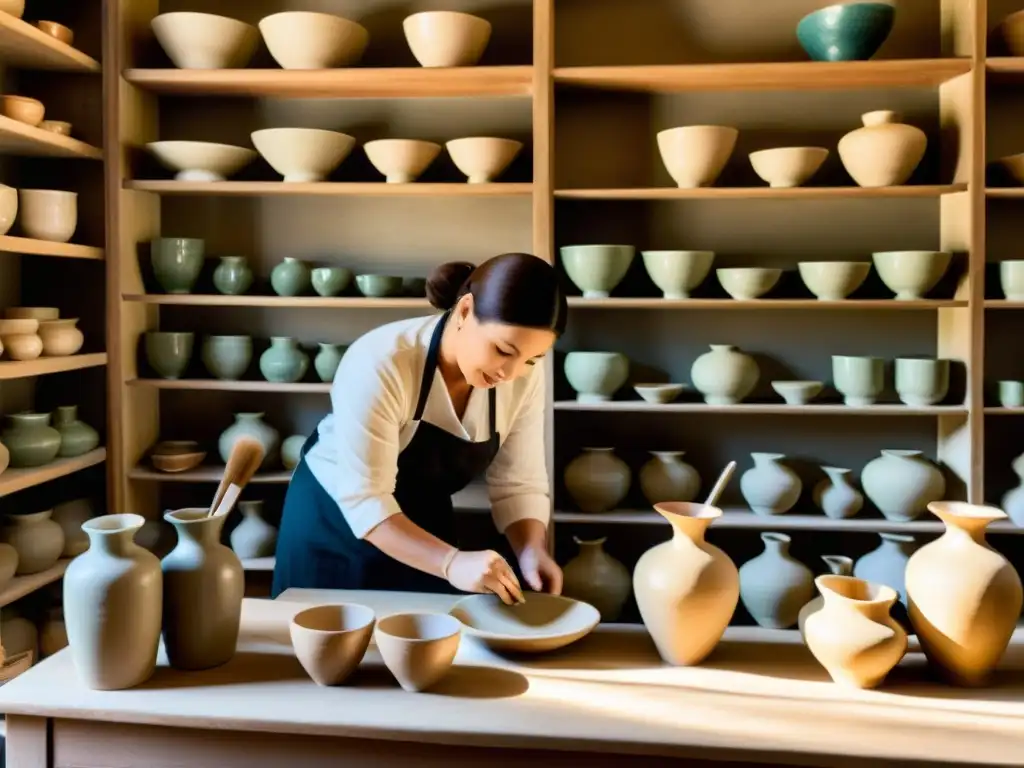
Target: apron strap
x=430, y=366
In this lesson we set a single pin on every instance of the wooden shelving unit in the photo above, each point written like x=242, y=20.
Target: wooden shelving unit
x=14, y=480
x=327, y=189
x=20, y=586
x=30, y=247
x=23, y=45
x=41, y=366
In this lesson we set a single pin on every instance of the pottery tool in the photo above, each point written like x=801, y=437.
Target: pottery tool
x=246, y=456
x=723, y=480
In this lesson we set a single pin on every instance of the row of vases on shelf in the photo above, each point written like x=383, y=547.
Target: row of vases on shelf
x=169, y=354
x=34, y=542
x=598, y=269
x=30, y=441
x=42, y=214
x=727, y=376
x=900, y=483
x=28, y=332
x=182, y=455
x=883, y=152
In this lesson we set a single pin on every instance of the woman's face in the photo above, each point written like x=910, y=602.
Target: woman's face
x=490, y=353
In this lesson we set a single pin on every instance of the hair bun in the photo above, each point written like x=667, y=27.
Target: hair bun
x=445, y=283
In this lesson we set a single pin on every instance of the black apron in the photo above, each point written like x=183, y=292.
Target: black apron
x=316, y=548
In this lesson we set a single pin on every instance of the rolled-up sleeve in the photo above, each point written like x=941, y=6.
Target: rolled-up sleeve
x=517, y=479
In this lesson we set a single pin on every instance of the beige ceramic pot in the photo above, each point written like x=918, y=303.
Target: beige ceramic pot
x=746, y=283
x=303, y=154
x=446, y=38
x=884, y=152
x=48, y=214
x=833, y=280
x=401, y=160
x=418, y=648
x=60, y=337
x=23, y=109
x=8, y=208
x=840, y=565
x=1011, y=279
x=686, y=589
x=201, y=160
x=964, y=597
x=307, y=40
x=204, y=40
x=788, y=166
x=38, y=540
x=5, y=458
x=20, y=339
x=694, y=155
x=483, y=159
x=597, y=578
x=331, y=640
x=853, y=635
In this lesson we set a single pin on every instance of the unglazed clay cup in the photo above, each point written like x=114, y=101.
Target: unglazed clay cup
x=788, y=166
x=921, y=381
x=745, y=283
x=1011, y=279
x=859, y=379
x=204, y=40
x=379, y=286
x=418, y=648
x=169, y=353
x=57, y=31
x=61, y=337
x=797, y=392
x=482, y=159
x=596, y=376
x=676, y=273
x=303, y=154
x=48, y=214
x=694, y=155
x=8, y=208
x=911, y=274
x=596, y=269
x=201, y=160
x=20, y=340
x=308, y=40
x=23, y=109
x=401, y=160
x=1011, y=394
x=833, y=280
x=331, y=640
x=330, y=281
x=659, y=393
x=446, y=38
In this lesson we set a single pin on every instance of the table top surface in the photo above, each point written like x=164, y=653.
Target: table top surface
x=760, y=693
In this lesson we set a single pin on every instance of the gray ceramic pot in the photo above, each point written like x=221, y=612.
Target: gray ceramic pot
x=283, y=361
x=30, y=439
x=290, y=277
x=330, y=281
x=227, y=357
x=232, y=277
x=76, y=437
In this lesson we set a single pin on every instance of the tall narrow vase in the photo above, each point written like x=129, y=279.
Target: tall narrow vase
x=112, y=605
x=774, y=586
x=203, y=588
x=836, y=496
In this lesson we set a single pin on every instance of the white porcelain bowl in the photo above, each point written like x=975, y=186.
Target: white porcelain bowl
x=401, y=160
x=596, y=376
x=911, y=274
x=787, y=166
x=308, y=40
x=677, y=273
x=483, y=159
x=205, y=40
x=446, y=38
x=833, y=280
x=694, y=155
x=659, y=393
x=797, y=392
x=744, y=283
x=201, y=160
x=303, y=154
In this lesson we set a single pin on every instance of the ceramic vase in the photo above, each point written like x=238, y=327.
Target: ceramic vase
x=227, y=357
x=112, y=606
x=840, y=565
x=30, y=439
x=887, y=563
x=203, y=589
x=686, y=589
x=836, y=496
x=884, y=152
x=724, y=376
x=327, y=361
x=8, y=567
x=283, y=361
x=596, y=577
x=964, y=597
x=597, y=480
x=250, y=425
x=8, y=207
x=666, y=477
x=70, y=516
x=770, y=487
x=290, y=278
x=76, y=437
x=1013, y=500
x=177, y=262
x=38, y=540
x=902, y=483
x=853, y=636
x=291, y=451
x=232, y=277
x=53, y=634
x=774, y=586
x=254, y=536
x=48, y=214
x=60, y=337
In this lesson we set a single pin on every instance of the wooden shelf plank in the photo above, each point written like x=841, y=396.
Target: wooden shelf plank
x=766, y=76
x=578, y=302
x=17, y=138
x=759, y=193
x=26, y=245
x=1005, y=66
x=207, y=474
x=1003, y=304
x=41, y=366
x=1005, y=192
x=998, y=410
x=383, y=83
x=825, y=409
x=253, y=564
x=233, y=386
x=22, y=586
x=329, y=188
x=295, y=302
x=25, y=46
x=14, y=480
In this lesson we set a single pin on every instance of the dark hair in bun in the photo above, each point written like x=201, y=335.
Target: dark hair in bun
x=512, y=289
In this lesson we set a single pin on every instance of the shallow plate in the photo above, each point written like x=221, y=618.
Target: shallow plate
x=543, y=623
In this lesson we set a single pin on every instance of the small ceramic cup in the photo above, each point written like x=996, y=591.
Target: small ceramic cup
x=331, y=640
x=1011, y=394
x=418, y=648
x=859, y=379
x=921, y=381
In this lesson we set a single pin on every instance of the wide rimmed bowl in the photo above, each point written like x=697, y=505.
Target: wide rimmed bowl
x=543, y=623
x=833, y=280
x=201, y=160
x=302, y=154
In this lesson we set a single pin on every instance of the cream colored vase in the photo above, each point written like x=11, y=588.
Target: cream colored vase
x=964, y=597
x=884, y=152
x=597, y=578
x=853, y=636
x=686, y=589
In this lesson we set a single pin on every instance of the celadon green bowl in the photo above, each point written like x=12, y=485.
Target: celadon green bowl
x=849, y=32
x=596, y=269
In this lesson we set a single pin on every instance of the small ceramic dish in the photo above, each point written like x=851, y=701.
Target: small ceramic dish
x=57, y=31
x=179, y=462
x=60, y=127
x=330, y=640
x=418, y=648
x=797, y=392
x=32, y=313
x=23, y=109
x=659, y=393
x=543, y=623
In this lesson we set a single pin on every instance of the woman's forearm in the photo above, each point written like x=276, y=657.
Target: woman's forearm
x=401, y=539
x=524, y=533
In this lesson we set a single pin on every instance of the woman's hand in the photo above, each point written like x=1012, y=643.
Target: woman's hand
x=484, y=571
x=529, y=541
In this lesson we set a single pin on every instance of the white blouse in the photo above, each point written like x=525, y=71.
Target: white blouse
x=373, y=400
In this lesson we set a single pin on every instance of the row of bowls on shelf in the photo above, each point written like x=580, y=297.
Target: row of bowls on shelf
x=28, y=332
x=308, y=40
x=726, y=376
x=31, y=111
x=42, y=214
x=598, y=269
x=312, y=154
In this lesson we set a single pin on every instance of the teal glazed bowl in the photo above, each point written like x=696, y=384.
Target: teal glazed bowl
x=852, y=32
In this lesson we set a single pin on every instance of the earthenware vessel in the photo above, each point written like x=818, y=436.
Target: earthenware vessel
x=597, y=578
x=60, y=337
x=250, y=425
x=596, y=269
x=911, y=274
x=53, y=633
x=921, y=381
x=227, y=357
x=113, y=596
x=846, y=32
x=20, y=338
x=327, y=360
x=964, y=597
x=254, y=536
x=597, y=480
x=203, y=589
x=833, y=280
x=76, y=437
x=902, y=484
x=884, y=152
x=205, y=41
x=30, y=439
x=840, y=565
x=887, y=563
x=308, y=40
x=330, y=640
x=676, y=273
x=401, y=161
x=290, y=278
x=774, y=586
x=788, y=166
x=747, y=283
x=446, y=38
x=1013, y=500
x=291, y=450
x=5, y=458
x=24, y=109
x=770, y=487
x=1011, y=394
x=38, y=540
x=596, y=376
x=379, y=286
x=330, y=281
x=177, y=262
x=686, y=589
x=694, y=155
x=283, y=361
x=418, y=648
x=1011, y=278
x=233, y=276
x=169, y=353
x=666, y=477
x=724, y=375
x=482, y=159
x=70, y=516
x=48, y=214
x=836, y=496
x=858, y=379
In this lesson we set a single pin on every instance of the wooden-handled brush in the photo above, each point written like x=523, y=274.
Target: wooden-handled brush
x=246, y=456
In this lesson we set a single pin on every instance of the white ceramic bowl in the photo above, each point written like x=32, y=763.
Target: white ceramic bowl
x=308, y=40
x=483, y=159
x=303, y=154
x=205, y=40
x=694, y=155
x=596, y=376
x=201, y=160
x=446, y=38
x=543, y=623
x=401, y=160
x=911, y=274
x=677, y=273
x=797, y=392
x=787, y=166
x=48, y=214
x=744, y=283
x=833, y=280
x=659, y=393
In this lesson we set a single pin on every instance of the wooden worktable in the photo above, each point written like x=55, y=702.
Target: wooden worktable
x=762, y=701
